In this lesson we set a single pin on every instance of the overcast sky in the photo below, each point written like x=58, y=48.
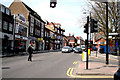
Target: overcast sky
x=69, y=13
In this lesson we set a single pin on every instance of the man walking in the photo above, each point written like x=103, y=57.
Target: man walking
x=30, y=51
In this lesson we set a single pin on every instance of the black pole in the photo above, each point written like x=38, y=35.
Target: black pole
x=87, y=41
x=107, y=56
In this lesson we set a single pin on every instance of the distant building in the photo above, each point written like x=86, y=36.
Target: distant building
x=72, y=40
x=56, y=35
x=80, y=41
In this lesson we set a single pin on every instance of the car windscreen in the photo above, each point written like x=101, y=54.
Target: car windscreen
x=65, y=47
x=83, y=46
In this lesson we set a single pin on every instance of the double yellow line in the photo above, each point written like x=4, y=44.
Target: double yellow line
x=70, y=74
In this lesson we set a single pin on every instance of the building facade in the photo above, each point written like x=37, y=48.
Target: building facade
x=36, y=26
x=6, y=33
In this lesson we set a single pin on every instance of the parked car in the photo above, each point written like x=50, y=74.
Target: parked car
x=78, y=50
x=66, y=49
x=83, y=47
x=71, y=49
x=117, y=75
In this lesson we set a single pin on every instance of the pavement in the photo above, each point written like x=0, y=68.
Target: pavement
x=96, y=68
x=25, y=53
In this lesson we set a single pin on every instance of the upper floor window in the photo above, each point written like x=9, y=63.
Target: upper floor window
x=47, y=34
x=55, y=29
x=32, y=20
x=7, y=11
x=5, y=25
x=10, y=27
x=42, y=25
x=22, y=18
x=61, y=32
x=3, y=9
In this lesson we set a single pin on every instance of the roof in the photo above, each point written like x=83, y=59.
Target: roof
x=71, y=37
x=48, y=27
x=32, y=12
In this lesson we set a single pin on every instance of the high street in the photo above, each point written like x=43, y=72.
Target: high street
x=44, y=65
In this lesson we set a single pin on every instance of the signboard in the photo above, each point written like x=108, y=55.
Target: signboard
x=72, y=42
x=113, y=34
x=58, y=37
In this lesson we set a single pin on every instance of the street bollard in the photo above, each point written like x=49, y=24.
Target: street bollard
x=84, y=56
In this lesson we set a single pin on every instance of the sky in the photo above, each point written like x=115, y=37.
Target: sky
x=69, y=13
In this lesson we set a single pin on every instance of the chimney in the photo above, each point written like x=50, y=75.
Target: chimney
x=69, y=34
x=73, y=35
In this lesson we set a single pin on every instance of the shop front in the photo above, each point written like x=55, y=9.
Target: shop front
x=47, y=44
x=7, y=43
x=20, y=44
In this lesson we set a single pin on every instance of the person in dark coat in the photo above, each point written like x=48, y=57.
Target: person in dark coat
x=30, y=51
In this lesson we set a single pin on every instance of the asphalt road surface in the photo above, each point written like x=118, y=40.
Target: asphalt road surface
x=52, y=65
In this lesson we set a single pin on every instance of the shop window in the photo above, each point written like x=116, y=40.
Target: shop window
x=5, y=25
x=10, y=27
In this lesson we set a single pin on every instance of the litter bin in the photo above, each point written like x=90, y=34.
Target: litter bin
x=84, y=56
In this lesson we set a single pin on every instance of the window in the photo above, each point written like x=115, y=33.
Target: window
x=0, y=24
x=7, y=11
x=42, y=34
x=10, y=27
x=22, y=18
x=61, y=32
x=42, y=25
x=55, y=29
x=5, y=25
x=32, y=20
x=42, y=30
x=3, y=9
x=45, y=34
x=31, y=30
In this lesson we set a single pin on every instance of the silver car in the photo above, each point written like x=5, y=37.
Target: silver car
x=66, y=49
x=78, y=50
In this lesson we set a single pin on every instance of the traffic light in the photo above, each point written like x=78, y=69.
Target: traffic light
x=94, y=26
x=53, y=3
x=86, y=28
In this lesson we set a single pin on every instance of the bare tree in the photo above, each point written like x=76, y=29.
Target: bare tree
x=99, y=13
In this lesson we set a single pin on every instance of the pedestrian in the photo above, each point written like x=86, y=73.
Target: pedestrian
x=30, y=52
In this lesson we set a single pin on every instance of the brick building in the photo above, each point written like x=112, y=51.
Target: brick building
x=36, y=24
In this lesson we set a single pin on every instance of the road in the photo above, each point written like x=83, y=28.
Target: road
x=44, y=65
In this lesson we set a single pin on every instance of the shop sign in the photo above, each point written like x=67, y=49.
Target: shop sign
x=58, y=37
x=25, y=38
x=38, y=39
x=17, y=36
x=9, y=35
